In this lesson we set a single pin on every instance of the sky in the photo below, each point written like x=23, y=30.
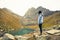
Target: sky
x=20, y=7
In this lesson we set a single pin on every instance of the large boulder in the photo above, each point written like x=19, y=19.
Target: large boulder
x=53, y=31
x=8, y=37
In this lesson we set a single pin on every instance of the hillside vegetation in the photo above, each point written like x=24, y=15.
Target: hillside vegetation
x=8, y=21
x=52, y=20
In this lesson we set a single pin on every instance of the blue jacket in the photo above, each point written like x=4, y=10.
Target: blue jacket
x=40, y=19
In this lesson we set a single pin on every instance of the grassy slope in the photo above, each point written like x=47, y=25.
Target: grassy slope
x=9, y=21
x=52, y=20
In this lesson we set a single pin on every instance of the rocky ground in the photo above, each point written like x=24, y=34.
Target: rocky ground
x=35, y=36
x=52, y=34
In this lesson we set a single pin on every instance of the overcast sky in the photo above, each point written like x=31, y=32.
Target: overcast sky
x=21, y=6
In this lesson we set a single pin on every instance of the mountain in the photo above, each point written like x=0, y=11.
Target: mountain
x=9, y=21
x=50, y=17
x=45, y=11
x=31, y=15
x=52, y=20
x=32, y=12
x=49, y=21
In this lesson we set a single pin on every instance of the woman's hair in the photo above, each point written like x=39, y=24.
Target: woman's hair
x=39, y=12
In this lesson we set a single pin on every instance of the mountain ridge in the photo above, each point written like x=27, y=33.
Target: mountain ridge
x=29, y=19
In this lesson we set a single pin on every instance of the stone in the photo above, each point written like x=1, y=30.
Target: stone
x=47, y=37
x=37, y=37
x=42, y=37
x=57, y=34
x=1, y=38
x=8, y=37
x=53, y=37
x=21, y=38
x=56, y=27
x=53, y=31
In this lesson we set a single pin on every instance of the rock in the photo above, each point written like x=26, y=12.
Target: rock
x=37, y=37
x=8, y=37
x=1, y=38
x=53, y=37
x=2, y=32
x=56, y=27
x=57, y=34
x=21, y=38
x=47, y=37
x=53, y=31
x=42, y=37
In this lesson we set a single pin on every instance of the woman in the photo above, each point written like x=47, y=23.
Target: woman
x=40, y=21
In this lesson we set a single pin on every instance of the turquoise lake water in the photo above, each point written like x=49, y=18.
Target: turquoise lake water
x=22, y=31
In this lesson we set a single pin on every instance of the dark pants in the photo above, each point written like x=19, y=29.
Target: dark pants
x=40, y=27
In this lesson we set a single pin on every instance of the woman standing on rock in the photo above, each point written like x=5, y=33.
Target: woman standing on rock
x=40, y=21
